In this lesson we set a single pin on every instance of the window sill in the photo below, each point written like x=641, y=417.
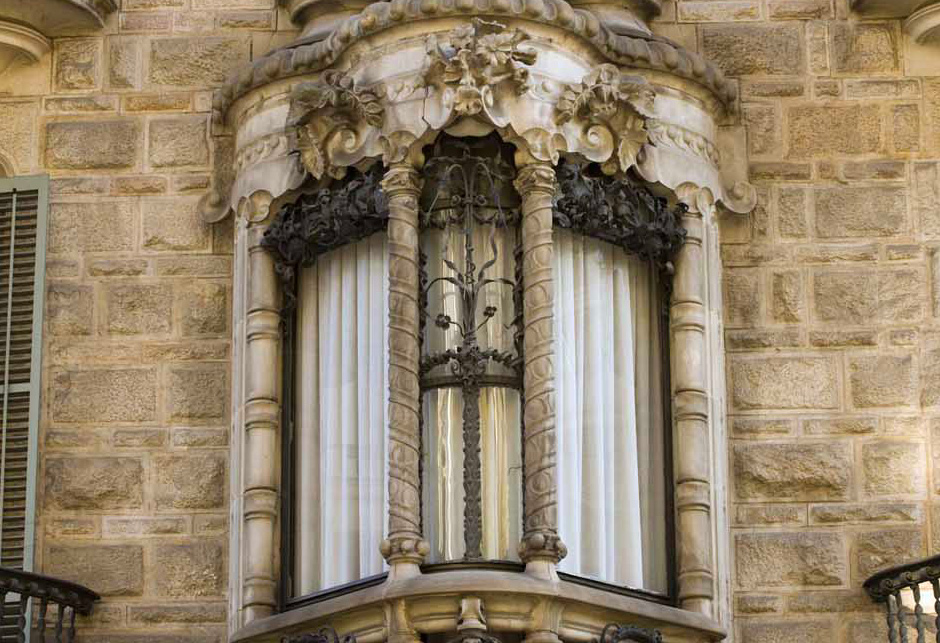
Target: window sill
x=511, y=599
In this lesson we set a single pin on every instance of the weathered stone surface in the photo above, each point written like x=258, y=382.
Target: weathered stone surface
x=77, y=527
x=179, y=142
x=799, y=9
x=171, y=613
x=139, y=309
x=830, y=601
x=881, y=549
x=69, y=309
x=857, y=212
x=174, y=225
x=787, y=296
x=883, y=88
x=833, y=129
x=751, y=339
x=864, y=47
x=189, y=570
x=138, y=185
x=742, y=50
x=190, y=481
x=761, y=427
x=94, y=483
x=800, y=559
x=905, y=124
x=117, y=267
x=121, y=527
x=93, y=145
x=789, y=631
x=92, y=227
x=791, y=213
x=113, y=570
x=769, y=515
x=930, y=378
x=837, y=338
x=807, y=471
x=137, y=438
x=757, y=604
x=863, y=296
x=772, y=89
x=120, y=395
x=195, y=62
x=777, y=171
x=762, y=128
x=198, y=392
x=873, y=170
x=123, y=63
x=205, y=266
x=18, y=132
x=882, y=381
x=204, y=308
x=185, y=352
x=163, y=102
x=784, y=383
x=865, y=513
x=199, y=437
x=741, y=297
x=77, y=63
x=80, y=104
x=841, y=426
x=210, y=524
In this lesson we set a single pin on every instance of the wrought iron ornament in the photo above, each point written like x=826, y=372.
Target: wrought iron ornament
x=323, y=635
x=466, y=195
x=615, y=633
x=345, y=211
x=619, y=210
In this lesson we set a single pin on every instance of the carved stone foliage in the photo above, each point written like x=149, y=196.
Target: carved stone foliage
x=323, y=635
x=476, y=62
x=612, y=109
x=347, y=210
x=620, y=211
x=614, y=633
x=332, y=119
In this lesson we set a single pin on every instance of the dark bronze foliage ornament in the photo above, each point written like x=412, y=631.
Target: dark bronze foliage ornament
x=345, y=211
x=619, y=210
x=615, y=633
x=323, y=635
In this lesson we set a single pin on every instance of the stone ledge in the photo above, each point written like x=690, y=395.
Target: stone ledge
x=432, y=601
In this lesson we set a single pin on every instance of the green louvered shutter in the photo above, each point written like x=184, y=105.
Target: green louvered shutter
x=23, y=208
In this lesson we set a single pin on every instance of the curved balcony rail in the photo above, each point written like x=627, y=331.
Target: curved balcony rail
x=25, y=600
x=911, y=595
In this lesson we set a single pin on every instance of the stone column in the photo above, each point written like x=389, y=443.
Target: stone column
x=692, y=441
x=541, y=548
x=261, y=440
x=404, y=549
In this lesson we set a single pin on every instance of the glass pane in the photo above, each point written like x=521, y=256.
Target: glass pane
x=501, y=455
x=340, y=445
x=611, y=449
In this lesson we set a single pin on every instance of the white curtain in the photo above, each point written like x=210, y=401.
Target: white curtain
x=611, y=476
x=340, y=429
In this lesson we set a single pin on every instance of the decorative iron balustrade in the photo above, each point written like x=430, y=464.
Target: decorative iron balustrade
x=16, y=616
x=911, y=595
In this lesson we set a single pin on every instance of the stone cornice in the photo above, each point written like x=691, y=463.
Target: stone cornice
x=638, y=50
x=924, y=24
x=54, y=18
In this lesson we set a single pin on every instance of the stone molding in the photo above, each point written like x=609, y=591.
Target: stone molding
x=921, y=18
x=924, y=24
x=20, y=42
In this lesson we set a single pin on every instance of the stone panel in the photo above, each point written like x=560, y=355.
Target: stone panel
x=113, y=570
x=789, y=631
x=174, y=225
x=198, y=393
x=92, y=227
x=77, y=64
x=861, y=212
x=83, y=483
x=179, y=142
x=93, y=145
x=865, y=296
x=807, y=471
x=188, y=570
x=798, y=559
x=204, y=308
x=190, y=481
x=69, y=309
x=825, y=130
x=139, y=309
x=784, y=383
x=125, y=395
x=195, y=62
x=864, y=47
x=18, y=133
x=882, y=381
x=892, y=468
x=878, y=550
x=742, y=50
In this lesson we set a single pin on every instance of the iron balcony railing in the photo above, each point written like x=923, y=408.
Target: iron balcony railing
x=911, y=596
x=40, y=609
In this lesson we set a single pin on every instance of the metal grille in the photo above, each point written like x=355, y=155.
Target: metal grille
x=23, y=204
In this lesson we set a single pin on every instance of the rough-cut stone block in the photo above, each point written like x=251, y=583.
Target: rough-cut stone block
x=200, y=437
x=138, y=438
x=874, y=170
x=841, y=426
x=94, y=483
x=93, y=145
x=864, y=47
x=204, y=308
x=172, y=613
x=763, y=135
x=117, y=267
x=77, y=63
x=930, y=378
x=892, y=468
x=769, y=515
x=790, y=559
x=195, y=62
x=883, y=88
x=787, y=296
x=179, y=142
x=882, y=381
x=174, y=225
x=190, y=481
x=125, y=395
x=202, y=266
x=69, y=309
x=189, y=570
x=784, y=383
x=863, y=296
x=742, y=50
x=162, y=102
x=139, y=309
x=825, y=130
x=932, y=113
x=80, y=104
x=832, y=601
x=799, y=9
x=840, y=338
x=751, y=339
x=210, y=524
x=789, y=631
x=123, y=63
x=878, y=550
x=138, y=185
x=776, y=171
x=757, y=604
x=121, y=527
x=761, y=427
x=18, y=130
x=198, y=392
x=113, y=570
x=772, y=89
x=864, y=513
x=905, y=128
x=791, y=213
x=100, y=226
x=811, y=471
x=741, y=297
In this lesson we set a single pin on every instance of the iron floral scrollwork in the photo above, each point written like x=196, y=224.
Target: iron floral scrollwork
x=323, y=635
x=620, y=211
x=345, y=211
x=615, y=633
x=477, y=58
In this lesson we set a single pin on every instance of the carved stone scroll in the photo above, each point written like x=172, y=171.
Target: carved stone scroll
x=541, y=548
x=404, y=548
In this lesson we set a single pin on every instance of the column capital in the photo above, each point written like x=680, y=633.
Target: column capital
x=537, y=176
x=402, y=178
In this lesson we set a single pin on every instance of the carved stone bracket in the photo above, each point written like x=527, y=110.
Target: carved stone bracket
x=323, y=635
x=614, y=633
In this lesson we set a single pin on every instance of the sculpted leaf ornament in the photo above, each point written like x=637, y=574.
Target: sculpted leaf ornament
x=476, y=60
x=613, y=109
x=332, y=115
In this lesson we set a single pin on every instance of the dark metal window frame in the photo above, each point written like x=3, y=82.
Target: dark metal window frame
x=583, y=204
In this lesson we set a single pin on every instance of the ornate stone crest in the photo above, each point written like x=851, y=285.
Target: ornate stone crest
x=612, y=110
x=332, y=119
x=476, y=62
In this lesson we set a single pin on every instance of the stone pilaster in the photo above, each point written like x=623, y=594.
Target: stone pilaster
x=541, y=548
x=404, y=549
x=262, y=445
x=690, y=398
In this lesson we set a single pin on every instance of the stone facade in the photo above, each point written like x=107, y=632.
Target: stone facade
x=830, y=305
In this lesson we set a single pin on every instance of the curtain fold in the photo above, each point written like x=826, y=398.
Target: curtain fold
x=340, y=429
x=611, y=476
